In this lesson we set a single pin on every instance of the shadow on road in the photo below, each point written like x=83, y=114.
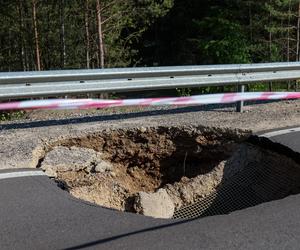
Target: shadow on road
x=124, y=116
x=106, y=240
x=111, y=117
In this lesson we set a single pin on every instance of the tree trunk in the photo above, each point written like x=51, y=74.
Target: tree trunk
x=250, y=20
x=298, y=34
x=28, y=41
x=21, y=27
x=36, y=36
x=270, y=48
x=62, y=34
x=100, y=36
x=9, y=51
x=87, y=34
x=288, y=41
x=298, y=43
x=288, y=33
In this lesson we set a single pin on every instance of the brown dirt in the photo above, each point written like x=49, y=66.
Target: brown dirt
x=186, y=164
x=147, y=159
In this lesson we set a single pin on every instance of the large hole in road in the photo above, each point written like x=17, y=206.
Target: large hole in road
x=173, y=172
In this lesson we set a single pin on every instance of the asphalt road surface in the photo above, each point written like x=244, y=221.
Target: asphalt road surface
x=36, y=214
x=289, y=137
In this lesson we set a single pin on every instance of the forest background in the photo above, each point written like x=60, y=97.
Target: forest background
x=79, y=34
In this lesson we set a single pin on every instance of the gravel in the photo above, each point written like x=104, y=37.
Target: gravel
x=22, y=142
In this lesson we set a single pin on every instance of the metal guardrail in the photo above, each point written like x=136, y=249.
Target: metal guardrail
x=15, y=85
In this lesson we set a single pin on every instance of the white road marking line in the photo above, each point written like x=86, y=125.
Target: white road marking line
x=281, y=132
x=21, y=174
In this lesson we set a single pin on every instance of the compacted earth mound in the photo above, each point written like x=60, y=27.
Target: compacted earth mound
x=160, y=171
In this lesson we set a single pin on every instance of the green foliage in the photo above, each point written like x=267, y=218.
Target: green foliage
x=183, y=91
x=226, y=42
x=7, y=116
x=149, y=32
x=123, y=23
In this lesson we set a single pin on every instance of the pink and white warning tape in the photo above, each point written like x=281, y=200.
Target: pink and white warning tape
x=190, y=100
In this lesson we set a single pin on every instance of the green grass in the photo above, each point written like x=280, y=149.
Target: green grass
x=8, y=116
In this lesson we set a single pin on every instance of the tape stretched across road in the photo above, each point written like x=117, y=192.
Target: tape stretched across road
x=176, y=101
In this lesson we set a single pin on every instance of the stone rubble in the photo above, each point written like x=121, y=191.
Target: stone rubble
x=64, y=159
x=157, y=205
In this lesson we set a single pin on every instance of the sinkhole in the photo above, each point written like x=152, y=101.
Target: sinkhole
x=171, y=172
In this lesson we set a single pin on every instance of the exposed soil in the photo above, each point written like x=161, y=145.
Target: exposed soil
x=117, y=168
x=143, y=159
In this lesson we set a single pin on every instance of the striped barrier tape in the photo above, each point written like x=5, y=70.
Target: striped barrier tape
x=190, y=100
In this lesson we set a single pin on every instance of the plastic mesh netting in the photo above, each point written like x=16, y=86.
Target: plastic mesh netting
x=250, y=187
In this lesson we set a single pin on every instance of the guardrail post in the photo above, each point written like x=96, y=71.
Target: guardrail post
x=240, y=105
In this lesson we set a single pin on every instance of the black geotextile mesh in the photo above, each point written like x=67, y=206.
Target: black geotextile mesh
x=250, y=187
